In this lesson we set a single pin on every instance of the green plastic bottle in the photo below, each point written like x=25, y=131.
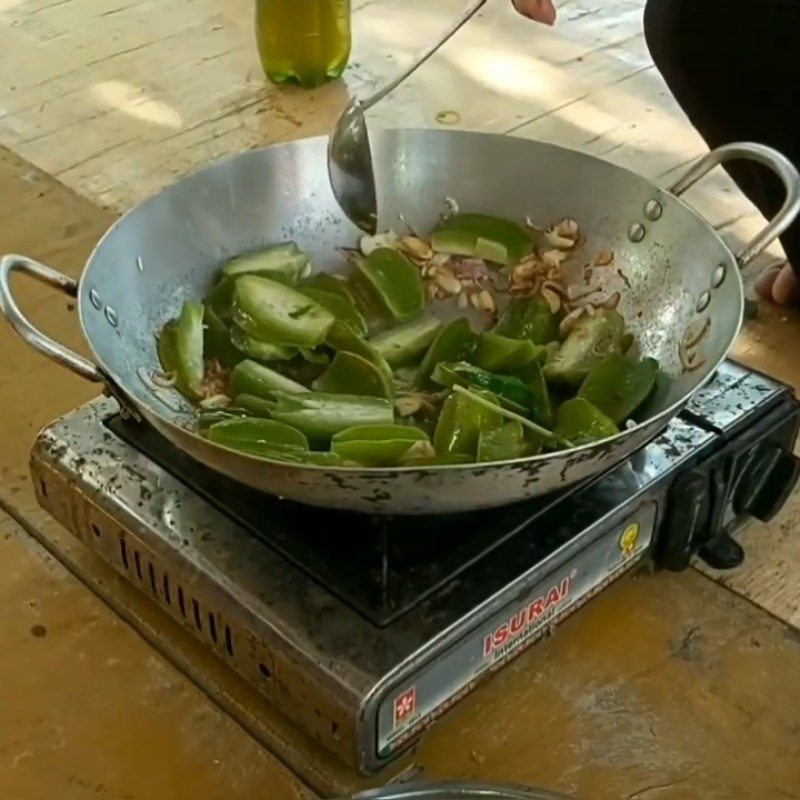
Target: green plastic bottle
x=304, y=41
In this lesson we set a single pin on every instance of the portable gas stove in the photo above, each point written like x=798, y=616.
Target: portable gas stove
x=364, y=636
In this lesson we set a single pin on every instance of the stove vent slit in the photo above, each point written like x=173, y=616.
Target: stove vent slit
x=212, y=626
x=198, y=623
x=152, y=574
x=123, y=553
x=181, y=602
x=228, y=640
x=167, y=595
x=137, y=560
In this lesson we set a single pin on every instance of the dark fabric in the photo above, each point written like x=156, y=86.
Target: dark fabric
x=734, y=67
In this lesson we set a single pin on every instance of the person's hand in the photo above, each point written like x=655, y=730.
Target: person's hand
x=539, y=10
x=779, y=284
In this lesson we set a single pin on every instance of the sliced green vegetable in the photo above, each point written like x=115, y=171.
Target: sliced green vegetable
x=188, y=349
x=405, y=342
x=581, y=422
x=461, y=422
x=354, y=375
x=549, y=351
x=379, y=445
x=533, y=444
x=220, y=297
x=539, y=402
x=498, y=353
x=314, y=356
x=268, y=311
x=278, y=452
x=618, y=385
x=591, y=339
x=165, y=347
x=332, y=284
x=340, y=337
x=490, y=238
x=627, y=343
x=208, y=417
x=477, y=397
x=378, y=433
x=342, y=308
x=376, y=454
x=528, y=318
x=511, y=391
x=501, y=444
x=263, y=351
x=320, y=415
x=455, y=342
x=395, y=280
x=285, y=260
x=217, y=342
x=539, y=430
x=253, y=406
x=268, y=439
x=249, y=377
x=252, y=432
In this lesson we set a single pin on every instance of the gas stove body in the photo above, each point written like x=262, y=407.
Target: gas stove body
x=365, y=634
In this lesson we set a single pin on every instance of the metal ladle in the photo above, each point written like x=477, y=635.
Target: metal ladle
x=349, y=158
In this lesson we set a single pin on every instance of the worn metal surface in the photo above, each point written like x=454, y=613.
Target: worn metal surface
x=168, y=249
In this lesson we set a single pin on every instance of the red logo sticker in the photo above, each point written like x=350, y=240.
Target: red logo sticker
x=405, y=705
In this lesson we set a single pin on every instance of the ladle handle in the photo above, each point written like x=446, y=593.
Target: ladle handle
x=466, y=15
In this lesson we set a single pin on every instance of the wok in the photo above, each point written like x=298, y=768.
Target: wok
x=674, y=272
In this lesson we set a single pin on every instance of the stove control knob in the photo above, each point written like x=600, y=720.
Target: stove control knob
x=767, y=482
x=722, y=552
x=687, y=521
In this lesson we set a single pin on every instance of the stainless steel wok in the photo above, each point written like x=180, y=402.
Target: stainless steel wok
x=674, y=271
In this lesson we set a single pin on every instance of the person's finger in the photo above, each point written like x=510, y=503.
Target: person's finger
x=786, y=290
x=540, y=10
x=765, y=282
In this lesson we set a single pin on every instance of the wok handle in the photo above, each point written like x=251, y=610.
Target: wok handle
x=778, y=163
x=23, y=326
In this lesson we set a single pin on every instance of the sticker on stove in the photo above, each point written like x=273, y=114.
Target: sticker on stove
x=404, y=706
x=627, y=542
x=451, y=675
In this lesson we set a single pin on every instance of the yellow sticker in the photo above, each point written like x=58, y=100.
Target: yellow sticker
x=628, y=540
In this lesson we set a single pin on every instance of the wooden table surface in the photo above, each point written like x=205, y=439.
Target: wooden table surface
x=667, y=686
